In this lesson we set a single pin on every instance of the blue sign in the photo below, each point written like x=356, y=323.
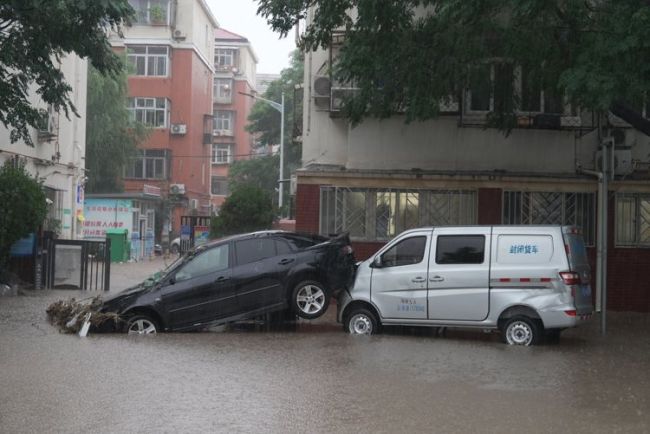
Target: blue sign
x=23, y=247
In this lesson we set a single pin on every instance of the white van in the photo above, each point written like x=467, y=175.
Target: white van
x=526, y=281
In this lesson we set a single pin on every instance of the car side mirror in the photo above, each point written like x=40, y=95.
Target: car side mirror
x=377, y=263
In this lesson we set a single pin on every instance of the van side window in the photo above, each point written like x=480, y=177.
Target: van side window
x=460, y=249
x=406, y=252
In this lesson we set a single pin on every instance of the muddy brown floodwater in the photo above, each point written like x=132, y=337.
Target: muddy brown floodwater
x=314, y=378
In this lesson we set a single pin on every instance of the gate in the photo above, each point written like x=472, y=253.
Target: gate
x=194, y=231
x=77, y=264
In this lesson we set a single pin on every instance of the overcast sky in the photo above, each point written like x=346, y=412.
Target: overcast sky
x=239, y=16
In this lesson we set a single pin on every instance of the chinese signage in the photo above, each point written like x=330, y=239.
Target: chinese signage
x=103, y=214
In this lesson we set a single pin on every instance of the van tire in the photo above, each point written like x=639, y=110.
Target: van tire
x=361, y=322
x=521, y=330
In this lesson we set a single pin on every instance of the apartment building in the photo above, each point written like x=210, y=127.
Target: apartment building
x=379, y=178
x=169, y=50
x=235, y=64
x=58, y=153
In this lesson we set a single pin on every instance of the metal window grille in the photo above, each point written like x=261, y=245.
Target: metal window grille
x=632, y=220
x=551, y=208
x=373, y=214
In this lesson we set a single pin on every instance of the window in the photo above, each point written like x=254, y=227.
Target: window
x=551, y=208
x=254, y=250
x=373, y=214
x=153, y=112
x=282, y=247
x=219, y=185
x=223, y=121
x=633, y=220
x=222, y=90
x=148, y=60
x=209, y=261
x=460, y=249
x=224, y=58
x=151, y=11
x=221, y=154
x=406, y=252
x=149, y=164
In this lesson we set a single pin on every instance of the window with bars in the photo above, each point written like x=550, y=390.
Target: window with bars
x=633, y=220
x=221, y=154
x=551, y=208
x=148, y=60
x=153, y=112
x=219, y=185
x=222, y=90
x=149, y=164
x=378, y=214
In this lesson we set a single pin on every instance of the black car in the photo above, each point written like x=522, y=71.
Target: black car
x=237, y=278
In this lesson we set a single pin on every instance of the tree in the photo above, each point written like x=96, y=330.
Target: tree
x=592, y=52
x=260, y=172
x=25, y=207
x=34, y=35
x=265, y=120
x=247, y=209
x=111, y=136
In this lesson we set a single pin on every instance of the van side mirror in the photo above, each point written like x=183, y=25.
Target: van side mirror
x=377, y=263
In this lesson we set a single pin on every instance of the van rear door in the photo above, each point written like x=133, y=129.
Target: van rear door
x=579, y=263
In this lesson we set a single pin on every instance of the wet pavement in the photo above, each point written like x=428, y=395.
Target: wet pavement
x=312, y=377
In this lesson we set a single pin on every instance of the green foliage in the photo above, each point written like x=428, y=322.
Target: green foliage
x=111, y=136
x=248, y=208
x=34, y=36
x=25, y=207
x=259, y=172
x=401, y=61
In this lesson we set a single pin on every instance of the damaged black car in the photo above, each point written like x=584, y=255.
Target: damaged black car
x=238, y=278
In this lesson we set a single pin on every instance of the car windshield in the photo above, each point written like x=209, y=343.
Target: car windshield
x=159, y=275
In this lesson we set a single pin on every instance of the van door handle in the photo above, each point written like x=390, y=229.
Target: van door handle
x=437, y=279
x=418, y=279
x=286, y=261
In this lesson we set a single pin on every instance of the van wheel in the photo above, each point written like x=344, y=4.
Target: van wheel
x=310, y=299
x=521, y=330
x=361, y=322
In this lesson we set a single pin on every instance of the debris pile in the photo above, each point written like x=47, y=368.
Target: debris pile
x=70, y=315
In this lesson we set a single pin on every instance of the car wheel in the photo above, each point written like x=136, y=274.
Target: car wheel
x=361, y=322
x=141, y=325
x=310, y=299
x=175, y=249
x=521, y=330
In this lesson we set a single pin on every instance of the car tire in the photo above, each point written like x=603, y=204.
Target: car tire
x=521, y=330
x=361, y=322
x=141, y=325
x=310, y=299
x=175, y=249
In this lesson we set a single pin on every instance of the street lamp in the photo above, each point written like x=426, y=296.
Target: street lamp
x=279, y=107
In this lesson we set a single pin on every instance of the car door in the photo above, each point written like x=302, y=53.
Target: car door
x=399, y=279
x=256, y=273
x=201, y=290
x=459, y=274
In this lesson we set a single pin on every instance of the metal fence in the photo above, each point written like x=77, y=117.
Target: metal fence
x=76, y=264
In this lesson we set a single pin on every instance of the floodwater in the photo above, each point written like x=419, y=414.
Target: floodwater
x=314, y=378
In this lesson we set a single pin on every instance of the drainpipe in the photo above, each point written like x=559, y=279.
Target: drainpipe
x=601, y=250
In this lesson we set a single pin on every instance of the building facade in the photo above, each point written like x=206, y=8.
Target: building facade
x=58, y=153
x=382, y=177
x=169, y=53
x=234, y=82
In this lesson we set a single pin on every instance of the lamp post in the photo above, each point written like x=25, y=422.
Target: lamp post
x=279, y=107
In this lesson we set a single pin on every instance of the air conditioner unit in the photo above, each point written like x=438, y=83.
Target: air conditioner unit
x=322, y=86
x=50, y=123
x=179, y=129
x=179, y=35
x=177, y=189
x=194, y=204
x=622, y=161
